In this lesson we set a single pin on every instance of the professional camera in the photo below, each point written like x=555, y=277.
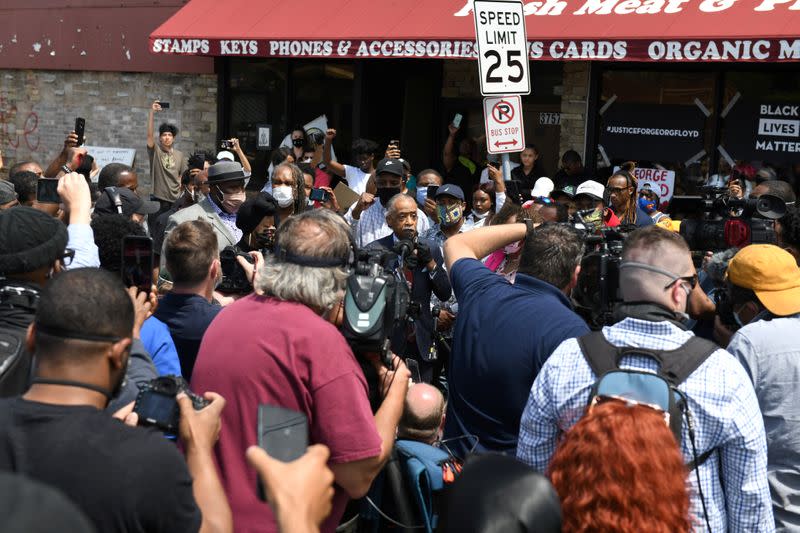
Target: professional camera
x=716, y=221
x=375, y=303
x=157, y=406
x=234, y=278
x=597, y=291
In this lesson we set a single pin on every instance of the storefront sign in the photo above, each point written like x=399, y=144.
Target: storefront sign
x=502, y=47
x=504, y=130
x=763, y=131
x=652, y=132
x=668, y=51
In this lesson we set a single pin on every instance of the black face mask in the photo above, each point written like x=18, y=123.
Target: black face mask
x=386, y=193
x=265, y=239
x=298, y=142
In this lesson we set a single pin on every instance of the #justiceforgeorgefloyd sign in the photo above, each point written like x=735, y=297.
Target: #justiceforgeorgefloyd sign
x=763, y=131
x=652, y=132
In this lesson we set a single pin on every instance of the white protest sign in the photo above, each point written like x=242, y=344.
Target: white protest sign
x=104, y=155
x=502, y=47
x=504, y=130
x=660, y=180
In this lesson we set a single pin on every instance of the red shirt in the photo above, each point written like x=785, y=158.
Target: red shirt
x=611, y=220
x=264, y=351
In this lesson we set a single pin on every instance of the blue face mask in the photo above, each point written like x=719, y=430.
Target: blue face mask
x=647, y=205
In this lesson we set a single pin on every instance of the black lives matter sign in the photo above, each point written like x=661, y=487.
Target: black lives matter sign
x=765, y=131
x=652, y=132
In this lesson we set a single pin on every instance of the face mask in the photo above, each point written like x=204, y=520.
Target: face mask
x=283, y=195
x=647, y=205
x=422, y=195
x=386, y=193
x=450, y=216
x=479, y=216
x=232, y=201
x=513, y=248
x=298, y=142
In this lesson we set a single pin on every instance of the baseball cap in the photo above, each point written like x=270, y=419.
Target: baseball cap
x=392, y=166
x=567, y=190
x=225, y=154
x=131, y=203
x=29, y=239
x=591, y=188
x=543, y=187
x=448, y=189
x=7, y=192
x=771, y=273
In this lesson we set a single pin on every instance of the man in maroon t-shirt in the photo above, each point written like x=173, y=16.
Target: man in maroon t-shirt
x=277, y=347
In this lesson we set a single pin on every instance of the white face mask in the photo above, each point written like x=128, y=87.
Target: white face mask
x=283, y=195
x=479, y=216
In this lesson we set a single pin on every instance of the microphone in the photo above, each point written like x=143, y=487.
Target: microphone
x=114, y=195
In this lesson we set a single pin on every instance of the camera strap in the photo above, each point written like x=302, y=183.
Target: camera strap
x=70, y=383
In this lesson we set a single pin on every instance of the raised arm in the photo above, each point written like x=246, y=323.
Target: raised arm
x=481, y=242
x=449, y=155
x=151, y=140
x=61, y=159
x=242, y=158
x=334, y=166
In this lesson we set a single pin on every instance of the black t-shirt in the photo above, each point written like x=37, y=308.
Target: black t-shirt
x=124, y=479
x=528, y=180
x=563, y=180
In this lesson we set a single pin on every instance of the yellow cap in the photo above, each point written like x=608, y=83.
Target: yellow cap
x=771, y=273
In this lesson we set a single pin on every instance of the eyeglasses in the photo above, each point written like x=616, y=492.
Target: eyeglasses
x=691, y=280
x=69, y=255
x=617, y=190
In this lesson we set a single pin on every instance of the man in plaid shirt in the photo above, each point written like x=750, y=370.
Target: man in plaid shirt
x=656, y=278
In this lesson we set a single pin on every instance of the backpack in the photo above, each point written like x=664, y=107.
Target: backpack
x=656, y=389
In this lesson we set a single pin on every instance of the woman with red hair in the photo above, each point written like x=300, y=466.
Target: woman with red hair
x=619, y=469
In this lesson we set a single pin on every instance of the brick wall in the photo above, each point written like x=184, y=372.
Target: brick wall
x=573, y=107
x=38, y=108
x=460, y=79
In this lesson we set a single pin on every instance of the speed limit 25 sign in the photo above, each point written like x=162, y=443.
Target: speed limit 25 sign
x=502, y=47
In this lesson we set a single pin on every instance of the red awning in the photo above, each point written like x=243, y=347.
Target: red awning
x=616, y=30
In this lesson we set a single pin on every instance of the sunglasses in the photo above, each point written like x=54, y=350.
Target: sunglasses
x=691, y=280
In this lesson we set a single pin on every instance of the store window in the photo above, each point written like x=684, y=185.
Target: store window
x=662, y=121
x=760, y=127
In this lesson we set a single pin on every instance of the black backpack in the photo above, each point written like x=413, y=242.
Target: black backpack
x=659, y=389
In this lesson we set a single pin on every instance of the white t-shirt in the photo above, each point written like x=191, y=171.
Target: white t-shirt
x=485, y=171
x=356, y=178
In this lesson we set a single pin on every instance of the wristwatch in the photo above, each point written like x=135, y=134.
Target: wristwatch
x=66, y=169
x=529, y=225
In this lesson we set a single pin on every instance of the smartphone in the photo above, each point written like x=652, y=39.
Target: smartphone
x=282, y=433
x=395, y=143
x=319, y=195
x=80, y=128
x=432, y=191
x=47, y=191
x=457, y=120
x=137, y=262
x=164, y=105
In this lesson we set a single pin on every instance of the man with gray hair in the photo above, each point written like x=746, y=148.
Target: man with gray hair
x=279, y=347
x=656, y=278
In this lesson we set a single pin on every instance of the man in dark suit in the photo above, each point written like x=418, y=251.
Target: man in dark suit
x=424, y=272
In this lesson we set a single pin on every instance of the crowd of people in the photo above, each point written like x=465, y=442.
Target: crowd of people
x=485, y=391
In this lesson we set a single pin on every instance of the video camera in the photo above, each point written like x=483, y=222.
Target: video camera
x=234, y=279
x=597, y=290
x=717, y=221
x=375, y=301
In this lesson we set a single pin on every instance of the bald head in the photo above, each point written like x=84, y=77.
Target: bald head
x=423, y=415
x=659, y=248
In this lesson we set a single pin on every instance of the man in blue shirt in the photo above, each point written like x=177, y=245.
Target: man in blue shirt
x=192, y=258
x=764, y=292
x=656, y=278
x=504, y=332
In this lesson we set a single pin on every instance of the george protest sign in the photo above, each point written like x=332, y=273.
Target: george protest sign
x=660, y=180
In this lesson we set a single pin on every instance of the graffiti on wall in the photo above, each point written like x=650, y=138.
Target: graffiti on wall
x=18, y=126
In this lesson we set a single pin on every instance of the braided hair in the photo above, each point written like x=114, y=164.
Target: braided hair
x=627, y=214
